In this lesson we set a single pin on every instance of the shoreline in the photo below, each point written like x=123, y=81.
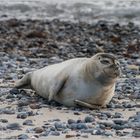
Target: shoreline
x=90, y=11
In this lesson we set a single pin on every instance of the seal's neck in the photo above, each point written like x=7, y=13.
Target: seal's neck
x=93, y=73
x=105, y=80
x=89, y=69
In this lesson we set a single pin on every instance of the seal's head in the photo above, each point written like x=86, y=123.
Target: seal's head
x=107, y=67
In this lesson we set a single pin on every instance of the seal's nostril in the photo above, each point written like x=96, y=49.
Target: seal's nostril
x=117, y=66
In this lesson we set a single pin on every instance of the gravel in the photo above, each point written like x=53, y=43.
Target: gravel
x=32, y=44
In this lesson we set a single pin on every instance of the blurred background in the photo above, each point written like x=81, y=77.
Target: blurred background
x=74, y=10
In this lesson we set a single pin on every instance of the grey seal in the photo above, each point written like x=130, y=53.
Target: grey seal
x=88, y=82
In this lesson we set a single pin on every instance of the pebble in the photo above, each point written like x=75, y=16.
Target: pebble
x=14, y=91
x=102, y=126
x=65, y=131
x=23, y=102
x=120, y=122
x=118, y=127
x=52, y=128
x=89, y=119
x=73, y=126
x=8, y=111
x=136, y=133
x=69, y=135
x=133, y=67
x=38, y=130
x=3, y=120
x=55, y=133
x=57, y=120
x=84, y=136
x=121, y=134
x=70, y=121
x=98, y=132
x=34, y=106
x=30, y=130
x=45, y=133
x=81, y=126
x=117, y=115
x=23, y=136
x=2, y=128
x=108, y=134
x=89, y=130
x=59, y=126
x=107, y=124
x=14, y=126
x=9, y=96
x=28, y=122
x=77, y=113
x=22, y=115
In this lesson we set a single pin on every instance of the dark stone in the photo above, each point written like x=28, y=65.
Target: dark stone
x=38, y=130
x=3, y=120
x=80, y=121
x=57, y=120
x=136, y=133
x=98, y=132
x=23, y=102
x=8, y=111
x=2, y=128
x=84, y=136
x=102, y=126
x=28, y=122
x=118, y=127
x=108, y=134
x=30, y=130
x=90, y=130
x=23, y=136
x=14, y=126
x=45, y=133
x=117, y=115
x=52, y=128
x=14, y=91
x=89, y=119
x=35, y=106
x=77, y=113
x=59, y=126
x=22, y=115
x=120, y=122
x=73, y=126
x=9, y=96
x=70, y=121
x=55, y=133
x=107, y=124
x=82, y=126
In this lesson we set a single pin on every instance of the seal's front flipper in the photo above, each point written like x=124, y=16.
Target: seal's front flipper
x=25, y=82
x=58, y=85
x=87, y=105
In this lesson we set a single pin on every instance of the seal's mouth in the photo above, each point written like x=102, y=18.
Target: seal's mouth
x=117, y=73
x=113, y=72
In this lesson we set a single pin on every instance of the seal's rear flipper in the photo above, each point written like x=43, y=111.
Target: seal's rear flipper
x=87, y=105
x=25, y=82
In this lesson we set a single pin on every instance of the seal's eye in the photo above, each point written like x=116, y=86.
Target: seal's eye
x=105, y=62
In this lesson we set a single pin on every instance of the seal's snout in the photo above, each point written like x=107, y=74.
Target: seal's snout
x=116, y=67
x=117, y=70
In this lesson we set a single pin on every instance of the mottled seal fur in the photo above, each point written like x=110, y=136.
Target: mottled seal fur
x=87, y=82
